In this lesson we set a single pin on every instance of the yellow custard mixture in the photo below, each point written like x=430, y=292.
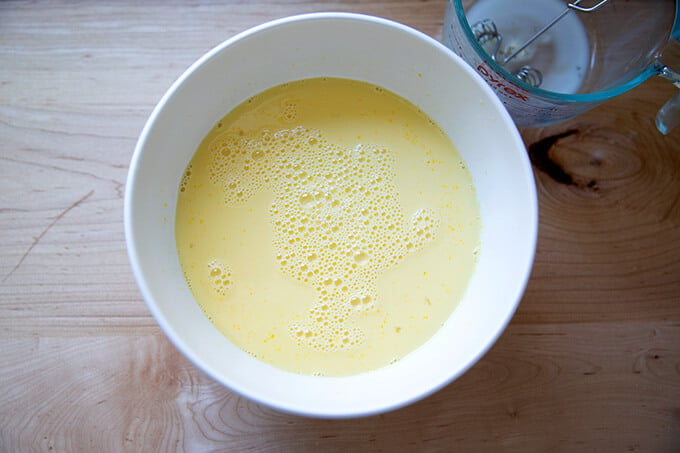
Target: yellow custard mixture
x=327, y=227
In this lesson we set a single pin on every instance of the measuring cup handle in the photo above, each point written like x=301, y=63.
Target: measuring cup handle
x=669, y=115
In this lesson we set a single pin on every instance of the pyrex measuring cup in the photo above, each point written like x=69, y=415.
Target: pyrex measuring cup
x=591, y=51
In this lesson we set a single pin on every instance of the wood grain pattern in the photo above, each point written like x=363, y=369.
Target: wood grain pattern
x=590, y=362
x=541, y=388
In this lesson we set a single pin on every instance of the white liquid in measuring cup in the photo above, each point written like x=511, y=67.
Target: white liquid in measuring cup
x=561, y=54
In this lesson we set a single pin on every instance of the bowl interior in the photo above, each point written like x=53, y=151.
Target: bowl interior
x=401, y=60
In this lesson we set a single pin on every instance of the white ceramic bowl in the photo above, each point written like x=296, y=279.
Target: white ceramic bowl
x=399, y=59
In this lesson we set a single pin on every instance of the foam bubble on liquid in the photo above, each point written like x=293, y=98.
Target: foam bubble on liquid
x=337, y=220
x=220, y=276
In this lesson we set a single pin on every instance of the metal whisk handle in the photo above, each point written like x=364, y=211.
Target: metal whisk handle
x=570, y=6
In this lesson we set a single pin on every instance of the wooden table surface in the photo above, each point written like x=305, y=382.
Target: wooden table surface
x=590, y=362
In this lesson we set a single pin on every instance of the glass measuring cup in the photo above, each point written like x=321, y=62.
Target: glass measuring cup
x=582, y=60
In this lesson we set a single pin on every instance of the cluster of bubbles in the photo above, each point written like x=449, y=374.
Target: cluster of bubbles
x=187, y=278
x=288, y=111
x=220, y=276
x=186, y=177
x=337, y=220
